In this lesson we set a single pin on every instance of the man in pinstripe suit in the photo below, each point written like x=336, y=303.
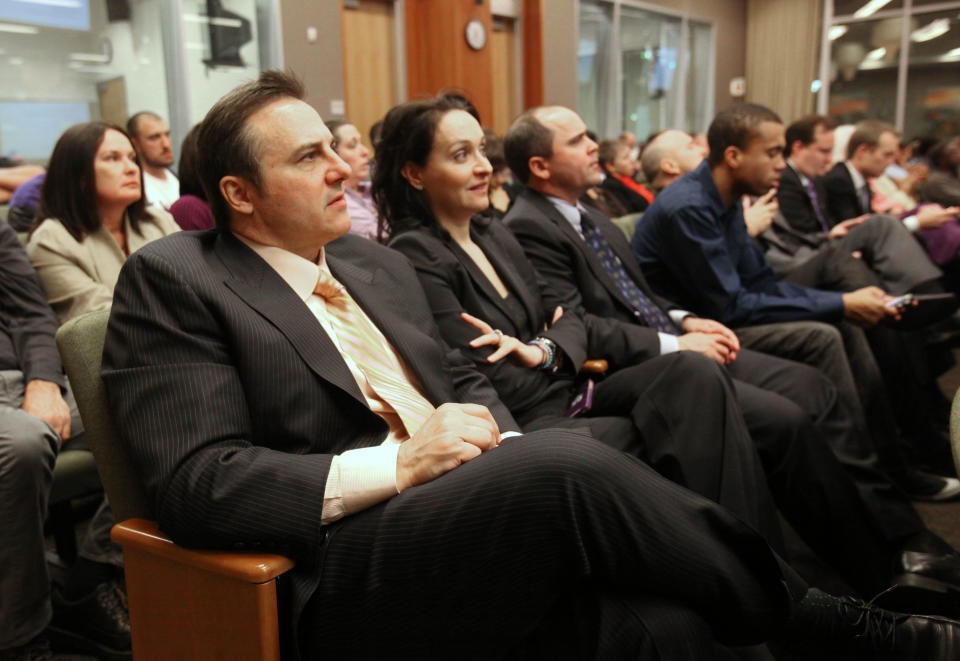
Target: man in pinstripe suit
x=253, y=424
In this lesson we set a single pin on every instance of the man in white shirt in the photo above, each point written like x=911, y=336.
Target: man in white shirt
x=151, y=138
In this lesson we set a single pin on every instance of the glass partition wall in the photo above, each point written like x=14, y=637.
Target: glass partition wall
x=895, y=60
x=80, y=60
x=642, y=69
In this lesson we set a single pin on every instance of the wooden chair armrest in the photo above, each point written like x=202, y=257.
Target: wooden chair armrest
x=598, y=366
x=144, y=536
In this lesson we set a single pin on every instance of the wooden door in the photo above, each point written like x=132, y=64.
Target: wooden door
x=369, y=62
x=503, y=55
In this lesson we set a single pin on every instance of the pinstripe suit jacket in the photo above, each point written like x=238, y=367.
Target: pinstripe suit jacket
x=233, y=400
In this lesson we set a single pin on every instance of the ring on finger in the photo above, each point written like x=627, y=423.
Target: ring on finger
x=499, y=334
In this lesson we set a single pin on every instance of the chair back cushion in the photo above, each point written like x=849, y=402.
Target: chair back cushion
x=80, y=341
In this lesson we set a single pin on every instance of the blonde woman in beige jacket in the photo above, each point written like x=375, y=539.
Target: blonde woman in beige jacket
x=95, y=217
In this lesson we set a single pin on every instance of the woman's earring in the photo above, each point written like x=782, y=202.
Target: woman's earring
x=417, y=186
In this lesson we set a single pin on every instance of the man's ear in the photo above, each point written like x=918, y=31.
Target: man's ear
x=670, y=167
x=539, y=167
x=237, y=192
x=732, y=156
x=413, y=174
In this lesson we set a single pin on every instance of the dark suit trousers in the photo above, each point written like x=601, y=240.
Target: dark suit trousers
x=478, y=562
x=861, y=397
x=679, y=414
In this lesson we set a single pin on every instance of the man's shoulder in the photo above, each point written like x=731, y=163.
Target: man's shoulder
x=790, y=180
x=528, y=206
x=365, y=252
x=838, y=175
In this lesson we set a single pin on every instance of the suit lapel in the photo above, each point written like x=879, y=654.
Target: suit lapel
x=375, y=294
x=508, y=273
x=260, y=287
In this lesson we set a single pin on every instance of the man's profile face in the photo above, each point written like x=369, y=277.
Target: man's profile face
x=573, y=165
x=762, y=160
x=681, y=148
x=300, y=206
x=624, y=165
x=153, y=142
x=875, y=161
x=813, y=160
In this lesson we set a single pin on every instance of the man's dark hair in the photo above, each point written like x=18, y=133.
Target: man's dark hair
x=805, y=130
x=407, y=137
x=494, y=150
x=607, y=152
x=189, y=168
x=527, y=137
x=941, y=154
x=335, y=125
x=868, y=133
x=69, y=191
x=133, y=124
x=225, y=142
x=735, y=127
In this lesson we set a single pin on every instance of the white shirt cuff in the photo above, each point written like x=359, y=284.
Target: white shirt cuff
x=668, y=343
x=359, y=479
x=911, y=223
x=677, y=316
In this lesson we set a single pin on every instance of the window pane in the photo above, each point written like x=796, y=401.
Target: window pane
x=222, y=49
x=650, y=47
x=700, y=68
x=933, y=77
x=864, y=7
x=863, y=71
x=54, y=77
x=595, y=88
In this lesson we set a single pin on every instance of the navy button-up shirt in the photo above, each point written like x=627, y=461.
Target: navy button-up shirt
x=696, y=252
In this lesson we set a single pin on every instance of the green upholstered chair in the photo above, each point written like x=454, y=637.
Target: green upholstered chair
x=184, y=604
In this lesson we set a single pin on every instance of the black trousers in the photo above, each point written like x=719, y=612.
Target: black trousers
x=679, y=414
x=478, y=563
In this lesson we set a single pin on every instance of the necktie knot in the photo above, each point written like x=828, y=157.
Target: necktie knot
x=327, y=286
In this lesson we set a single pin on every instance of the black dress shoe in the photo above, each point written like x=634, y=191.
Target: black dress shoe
x=37, y=649
x=849, y=626
x=97, y=623
x=927, y=583
x=919, y=485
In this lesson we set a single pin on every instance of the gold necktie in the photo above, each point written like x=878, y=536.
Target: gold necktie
x=364, y=343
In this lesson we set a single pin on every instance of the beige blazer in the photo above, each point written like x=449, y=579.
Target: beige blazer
x=79, y=276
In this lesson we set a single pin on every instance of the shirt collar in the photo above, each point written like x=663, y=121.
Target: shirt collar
x=804, y=179
x=858, y=180
x=301, y=274
x=704, y=175
x=571, y=213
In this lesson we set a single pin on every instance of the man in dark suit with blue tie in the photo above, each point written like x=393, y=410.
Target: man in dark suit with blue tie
x=282, y=388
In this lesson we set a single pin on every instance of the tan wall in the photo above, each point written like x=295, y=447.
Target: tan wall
x=560, y=52
x=319, y=64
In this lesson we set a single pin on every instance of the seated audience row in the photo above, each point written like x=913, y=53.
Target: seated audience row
x=409, y=358
x=534, y=532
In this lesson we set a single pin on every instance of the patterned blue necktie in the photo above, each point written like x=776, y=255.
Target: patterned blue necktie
x=652, y=314
x=812, y=192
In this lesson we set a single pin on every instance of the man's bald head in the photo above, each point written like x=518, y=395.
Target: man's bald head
x=669, y=156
